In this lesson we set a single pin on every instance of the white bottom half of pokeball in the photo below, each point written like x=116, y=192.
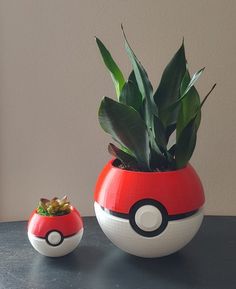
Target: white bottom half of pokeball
x=67, y=245
x=176, y=235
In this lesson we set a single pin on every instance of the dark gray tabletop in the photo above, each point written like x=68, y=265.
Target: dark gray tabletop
x=208, y=262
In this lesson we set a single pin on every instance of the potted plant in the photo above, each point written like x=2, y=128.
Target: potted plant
x=55, y=228
x=148, y=198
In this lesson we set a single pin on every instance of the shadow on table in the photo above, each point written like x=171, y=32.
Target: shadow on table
x=178, y=269
x=108, y=267
x=84, y=258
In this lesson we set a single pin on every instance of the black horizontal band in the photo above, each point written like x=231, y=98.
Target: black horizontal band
x=64, y=237
x=170, y=217
x=181, y=216
x=116, y=214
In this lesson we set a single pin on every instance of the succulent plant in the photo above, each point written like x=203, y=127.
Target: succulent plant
x=54, y=207
x=155, y=130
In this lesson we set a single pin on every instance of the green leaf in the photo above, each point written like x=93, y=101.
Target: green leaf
x=168, y=89
x=130, y=94
x=172, y=149
x=192, y=81
x=146, y=90
x=158, y=162
x=143, y=82
x=186, y=144
x=189, y=105
x=169, y=130
x=160, y=134
x=124, y=157
x=116, y=74
x=185, y=86
x=157, y=159
x=186, y=139
x=126, y=126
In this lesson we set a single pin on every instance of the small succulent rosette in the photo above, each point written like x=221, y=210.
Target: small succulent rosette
x=55, y=228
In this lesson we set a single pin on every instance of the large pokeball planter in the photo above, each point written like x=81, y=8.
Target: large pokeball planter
x=149, y=214
x=55, y=236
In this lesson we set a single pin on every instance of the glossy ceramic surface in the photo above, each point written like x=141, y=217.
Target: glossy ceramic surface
x=178, y=191
x=177, y=234
x=55, y=236
x=149, y=214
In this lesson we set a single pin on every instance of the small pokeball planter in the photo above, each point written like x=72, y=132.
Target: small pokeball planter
x=149, y=199
x=149, y=214
x=55, y=236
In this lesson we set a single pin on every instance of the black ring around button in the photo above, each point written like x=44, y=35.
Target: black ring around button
x=156, y=204
x=54, y=245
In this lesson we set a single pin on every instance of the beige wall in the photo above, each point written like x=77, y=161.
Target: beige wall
x=52, y=80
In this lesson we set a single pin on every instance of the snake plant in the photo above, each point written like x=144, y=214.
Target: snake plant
x=155, y=130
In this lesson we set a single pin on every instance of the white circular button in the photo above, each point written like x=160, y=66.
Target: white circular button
x=54, y=238
x=148, y=218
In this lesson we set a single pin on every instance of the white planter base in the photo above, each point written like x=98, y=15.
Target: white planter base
x=176, y=235
x=67, y=246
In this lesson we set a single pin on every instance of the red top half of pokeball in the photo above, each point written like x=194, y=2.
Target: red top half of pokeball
x=178, y=191
x=67, y=225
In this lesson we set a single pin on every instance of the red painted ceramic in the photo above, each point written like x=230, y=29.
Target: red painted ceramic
x=144, y=212
x=55, y=236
